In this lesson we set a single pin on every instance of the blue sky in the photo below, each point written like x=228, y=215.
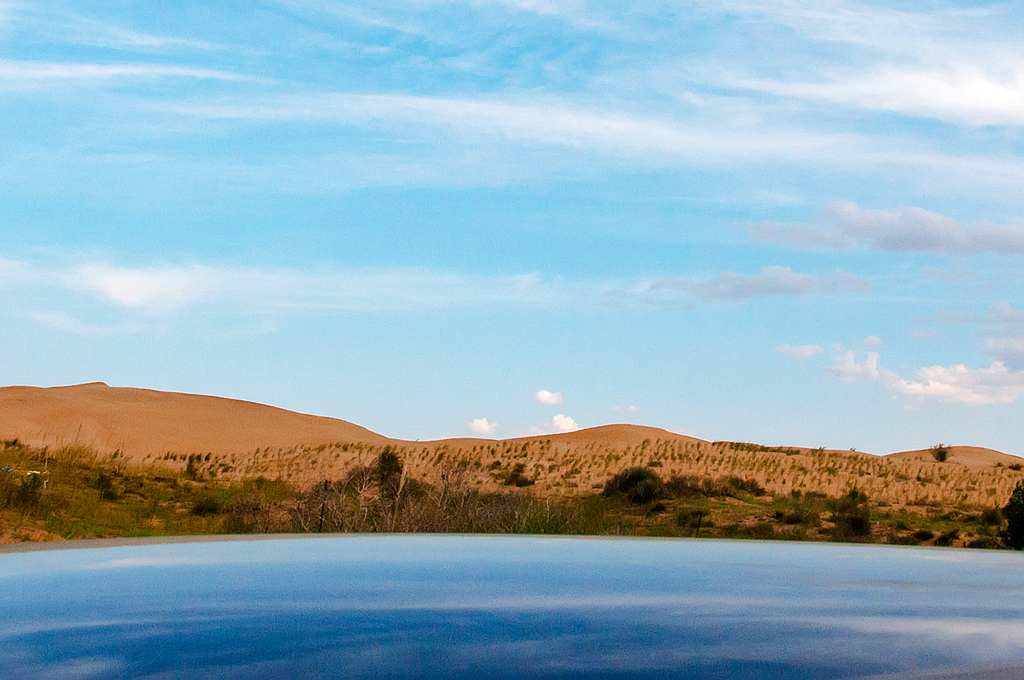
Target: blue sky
x=790, y=222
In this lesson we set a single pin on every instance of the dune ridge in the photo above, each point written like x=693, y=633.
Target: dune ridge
x=233, y=439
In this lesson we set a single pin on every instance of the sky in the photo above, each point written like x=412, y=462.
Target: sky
x=791, y=223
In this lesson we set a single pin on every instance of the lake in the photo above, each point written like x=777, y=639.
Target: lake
x=412, y=606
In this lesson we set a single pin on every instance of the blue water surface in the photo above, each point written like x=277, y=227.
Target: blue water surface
x=510, y=607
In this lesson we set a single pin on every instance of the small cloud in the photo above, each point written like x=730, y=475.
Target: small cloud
x=771, y=282
x=481, y=427
x=844, y=225
x=626, y=409
x=872, y=341
x=848, y=370
x=800, y=352
x=560, y=423
x=924, y=335
x=564, y=423
x=546, y=397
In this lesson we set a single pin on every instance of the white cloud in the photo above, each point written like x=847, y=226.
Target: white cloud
x=771, y=282
x=848, y=370
x=546, y=397
x=166, y=287
x=284, y=289
x=274, y=291
x=560, y=423
x=970, y=94
x=554, y=122
x=626, y=409
x=563, y=423
x=843, y=226
x=959, y=384
x=800, y=352
x=872, y=341
x=32, y=74
x=481, y=427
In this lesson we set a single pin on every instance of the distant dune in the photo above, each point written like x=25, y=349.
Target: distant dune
x=144, y=423
x=241, y=439
x=971, y=456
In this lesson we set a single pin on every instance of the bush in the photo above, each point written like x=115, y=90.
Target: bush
x=992, y=516
x=639, y=485
x=104, y=483
x=689, y=485
x=940, y=452
x=206, y=505
x=850, y=515
x=1013, y=535
x=516, y=476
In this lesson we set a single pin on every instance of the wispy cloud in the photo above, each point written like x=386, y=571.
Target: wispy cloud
x=844, y=225
x=966, y=94
x=1003, y=328
x=86, y=31
x=158, y=289
x=281, y=290
x=25, y=74
x=771, y=282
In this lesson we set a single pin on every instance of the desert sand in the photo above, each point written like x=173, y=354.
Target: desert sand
x=232, y=439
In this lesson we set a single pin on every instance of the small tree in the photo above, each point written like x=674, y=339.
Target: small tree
x=940, y=452
x=388, y=473
x=1013, y=533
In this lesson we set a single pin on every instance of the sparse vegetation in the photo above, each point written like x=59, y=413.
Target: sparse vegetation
x=940, y=453
x=73, y=493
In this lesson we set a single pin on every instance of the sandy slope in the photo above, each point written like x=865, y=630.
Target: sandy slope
x=148, y=423
x=971, y=456
x=246, y=440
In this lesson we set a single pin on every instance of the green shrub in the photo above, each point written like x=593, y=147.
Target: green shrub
x=992, y=516
x=207, y=504
x=851, y=516
x=940, y=452
x=1013, y=534
x=640, y=485
x=516, y=477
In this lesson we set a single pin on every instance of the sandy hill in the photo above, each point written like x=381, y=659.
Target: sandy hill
x=146, y=423
x=239, y=439
x=971, y=456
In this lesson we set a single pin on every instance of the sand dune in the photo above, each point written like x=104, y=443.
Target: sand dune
x=971, y=456
x=143, y=423
x=240, y=439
